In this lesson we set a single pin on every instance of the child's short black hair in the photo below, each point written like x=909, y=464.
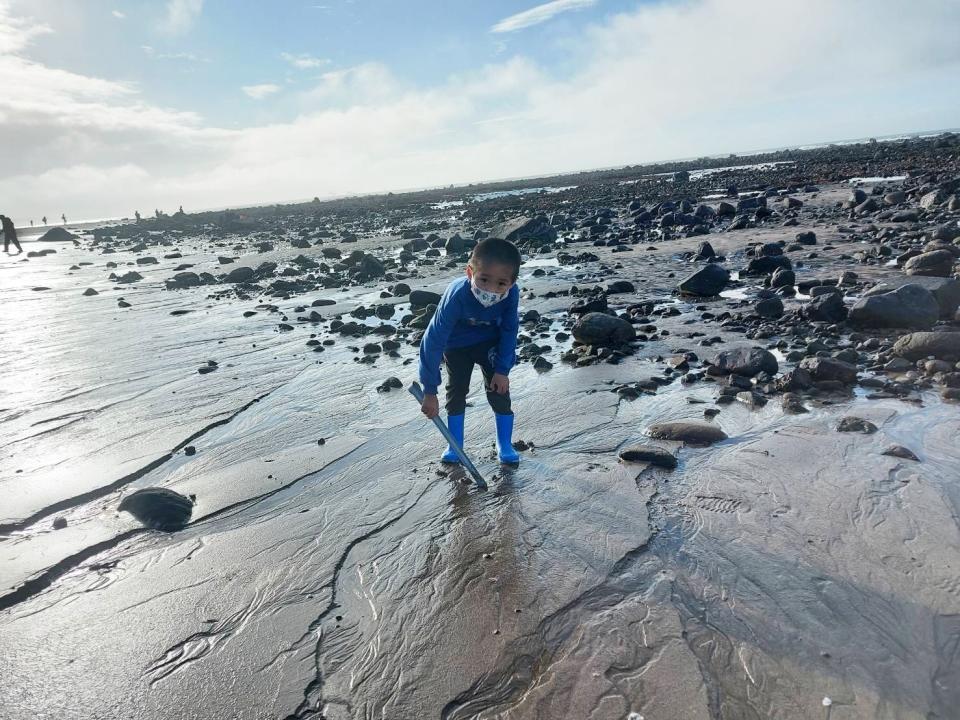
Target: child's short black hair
x=497, y=251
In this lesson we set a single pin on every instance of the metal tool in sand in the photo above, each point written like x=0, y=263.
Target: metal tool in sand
x=417, y=392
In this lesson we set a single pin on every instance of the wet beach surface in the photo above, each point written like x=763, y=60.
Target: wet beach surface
x=331, y=567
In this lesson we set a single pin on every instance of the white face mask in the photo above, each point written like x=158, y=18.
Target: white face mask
x=485, y=297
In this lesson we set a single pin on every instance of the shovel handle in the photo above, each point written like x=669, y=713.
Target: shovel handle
x=417, y=392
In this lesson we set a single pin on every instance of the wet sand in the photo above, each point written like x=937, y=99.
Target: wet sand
x=359, y=578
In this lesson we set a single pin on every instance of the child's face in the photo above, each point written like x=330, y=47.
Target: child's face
x=492, y=276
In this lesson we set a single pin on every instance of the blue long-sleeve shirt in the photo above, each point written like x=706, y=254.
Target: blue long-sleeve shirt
x=460, y=321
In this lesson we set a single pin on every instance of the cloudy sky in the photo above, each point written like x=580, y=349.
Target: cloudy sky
x=109, y=106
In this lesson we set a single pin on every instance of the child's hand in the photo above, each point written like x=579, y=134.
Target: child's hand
x=500, y=384
x=430, y=406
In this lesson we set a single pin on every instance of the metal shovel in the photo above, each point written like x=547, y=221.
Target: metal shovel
x=417, y=392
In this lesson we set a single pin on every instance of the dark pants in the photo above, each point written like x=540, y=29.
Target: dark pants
x=10, y=237
x=460, y=362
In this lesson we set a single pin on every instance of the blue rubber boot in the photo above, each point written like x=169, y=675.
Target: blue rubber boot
x=505, y=450
x=455, y=423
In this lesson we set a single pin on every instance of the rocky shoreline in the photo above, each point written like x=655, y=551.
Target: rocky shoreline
x=736, y=407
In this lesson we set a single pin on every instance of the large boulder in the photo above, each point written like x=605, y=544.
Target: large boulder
x=706, y=282
x=746, y=361
x=601, y=329
x=690, y=432
x=919, y=345
x=526, y=231
x=830, y=370
x=57, y=234
x=946, y=291
x=909, y=306
x=938, y=263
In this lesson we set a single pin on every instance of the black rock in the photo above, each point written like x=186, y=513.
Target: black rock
x=240, y=274
x=649, y=454
x=597, y=328
x=57, y=234
x=825, y=369
x=620, y=286
x=855, y=424
x=159, y=508
x=900, y=452
x=541, y=364
x=945, y=290
x=770, y=308
x=767, y=264
x=526, y=231
x=689, y=432
x=746, y=361
x=706, y=282
x=826, y=308
x=920, y=345
x=783, y=278
x=938, y=263
x=423, y=298
x=909, y=306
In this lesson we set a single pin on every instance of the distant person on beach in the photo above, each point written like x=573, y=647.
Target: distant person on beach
x=44, y=218
x=476, y=323
x=136, y=214
x=9, y=234
x=64, y=216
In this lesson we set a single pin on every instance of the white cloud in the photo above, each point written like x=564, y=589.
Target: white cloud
x=180, y=15
x=304, y=61
x=739, y=82
x=539, y=14
x=17, y=33
x=359, y=85
x=186, y=56
x=259, y=92
x=118, y=14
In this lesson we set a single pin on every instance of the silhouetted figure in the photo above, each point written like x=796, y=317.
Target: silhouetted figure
x=64, y=216
x=136, y=214
x=180, y=211
x=9, y=234
x=31, y=223
x=44, y=218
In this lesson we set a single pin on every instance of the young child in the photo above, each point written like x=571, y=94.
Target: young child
x=476, y=323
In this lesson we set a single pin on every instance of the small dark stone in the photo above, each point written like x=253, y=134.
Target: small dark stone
x=900, y=452
x=649, y=453
x=855, y=424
